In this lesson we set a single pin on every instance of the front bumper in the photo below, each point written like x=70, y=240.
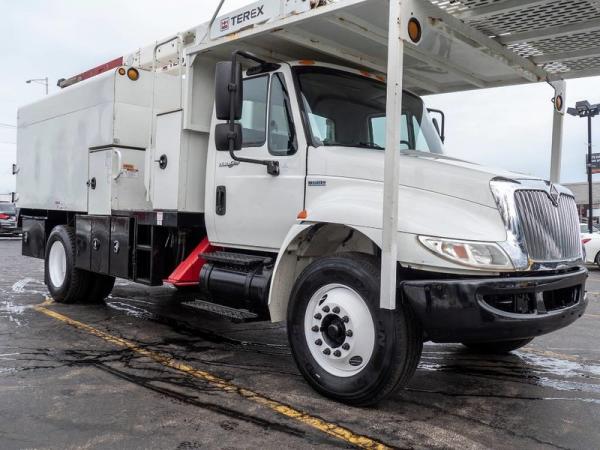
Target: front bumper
x=494, y=309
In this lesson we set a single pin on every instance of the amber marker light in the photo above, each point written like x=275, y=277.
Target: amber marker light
x=414, y=30
x=122, y=71
x=133, y=74
x=302, y=214
x=558, y=102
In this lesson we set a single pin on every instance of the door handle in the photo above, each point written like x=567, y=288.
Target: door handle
x=221, y=204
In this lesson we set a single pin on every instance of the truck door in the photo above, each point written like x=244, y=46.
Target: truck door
x=251, y=208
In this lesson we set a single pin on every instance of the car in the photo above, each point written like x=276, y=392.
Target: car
x=590, y=243
x=8, y=219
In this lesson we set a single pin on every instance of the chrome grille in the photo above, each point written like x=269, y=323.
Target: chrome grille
x=551, y=232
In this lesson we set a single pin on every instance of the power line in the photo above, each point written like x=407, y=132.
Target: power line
x=7, y=125
x=7, y=142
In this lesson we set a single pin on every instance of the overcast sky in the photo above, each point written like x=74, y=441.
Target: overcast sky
x=504, y=127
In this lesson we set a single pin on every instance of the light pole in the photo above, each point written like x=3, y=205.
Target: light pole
x=584, y=109
x=43, y=81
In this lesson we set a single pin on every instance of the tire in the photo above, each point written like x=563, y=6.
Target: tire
x=65, y=282
x=498, y=347
x=101, y=287
x=384, y=347
x=597, y=260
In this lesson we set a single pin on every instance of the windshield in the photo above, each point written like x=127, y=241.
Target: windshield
x=345, y=109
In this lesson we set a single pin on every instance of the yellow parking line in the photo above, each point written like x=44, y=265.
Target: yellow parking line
x=166, y=360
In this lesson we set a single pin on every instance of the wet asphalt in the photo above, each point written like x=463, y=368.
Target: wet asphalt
x=64, y=387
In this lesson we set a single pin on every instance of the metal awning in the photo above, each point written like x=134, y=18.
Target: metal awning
x=467, y=44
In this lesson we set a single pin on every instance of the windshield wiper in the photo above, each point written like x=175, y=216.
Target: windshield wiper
x=370, y=145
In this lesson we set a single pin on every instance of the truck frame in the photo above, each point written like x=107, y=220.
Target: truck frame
x=256, y=158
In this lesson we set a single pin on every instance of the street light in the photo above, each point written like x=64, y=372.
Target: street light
x=584, y=109
x=43, y=81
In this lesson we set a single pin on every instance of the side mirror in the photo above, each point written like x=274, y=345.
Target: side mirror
x=228, y=84
x=440, y=130
x=222, y=133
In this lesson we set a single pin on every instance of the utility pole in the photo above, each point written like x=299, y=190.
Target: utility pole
x=585, y=109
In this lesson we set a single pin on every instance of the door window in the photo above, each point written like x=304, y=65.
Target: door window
x=254, y=111
x=282, y=137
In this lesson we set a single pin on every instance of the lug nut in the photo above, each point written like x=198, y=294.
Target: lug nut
x=346, y=319
x=318, y=316
x=346, y=346
x=336, y=310
x=315, y=328
x=326, y=351
x=349, y=333
x=337, y=353
x=326, y=308
x=318, y=342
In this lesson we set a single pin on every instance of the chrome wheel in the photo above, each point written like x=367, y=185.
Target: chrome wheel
x=339, y=330
x=57, y=263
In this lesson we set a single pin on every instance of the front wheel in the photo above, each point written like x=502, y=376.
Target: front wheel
x=345, y=346
x=497, y=347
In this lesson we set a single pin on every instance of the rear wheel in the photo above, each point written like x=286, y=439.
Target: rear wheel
x=65, y=282
x=498, y=347
x=345, y=346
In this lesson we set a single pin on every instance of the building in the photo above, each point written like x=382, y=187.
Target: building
x=581, y=198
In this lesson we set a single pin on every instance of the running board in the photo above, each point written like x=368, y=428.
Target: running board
x=235, y=315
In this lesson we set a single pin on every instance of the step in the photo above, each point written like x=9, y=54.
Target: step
x=235, y=315
x=236, y=259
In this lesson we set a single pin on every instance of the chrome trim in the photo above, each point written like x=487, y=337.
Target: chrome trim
x=503, y=190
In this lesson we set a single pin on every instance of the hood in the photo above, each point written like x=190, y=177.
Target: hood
x=425, y=171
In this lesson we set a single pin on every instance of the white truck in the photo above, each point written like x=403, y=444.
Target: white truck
x=251, y=157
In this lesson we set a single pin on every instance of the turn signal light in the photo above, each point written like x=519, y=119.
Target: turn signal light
x=133, y=74
x=302, y=214
x=414, y=30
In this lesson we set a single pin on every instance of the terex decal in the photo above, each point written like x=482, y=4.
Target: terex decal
x=242, y=17
x=253, y=14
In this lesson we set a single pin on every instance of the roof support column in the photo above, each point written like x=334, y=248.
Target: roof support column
x=557, y=128
x=389, y=250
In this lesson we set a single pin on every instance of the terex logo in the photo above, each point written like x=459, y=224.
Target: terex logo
x=242, y=17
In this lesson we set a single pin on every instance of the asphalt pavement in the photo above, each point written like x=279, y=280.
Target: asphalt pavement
x=142, y=371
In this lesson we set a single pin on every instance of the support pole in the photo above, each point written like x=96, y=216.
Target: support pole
x=589, y=176
x=557, y=130
x=391, y=175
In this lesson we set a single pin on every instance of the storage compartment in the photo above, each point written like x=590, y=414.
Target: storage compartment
x=179, y=166
x=116, y=180
x=120, y=249
x=103, y=244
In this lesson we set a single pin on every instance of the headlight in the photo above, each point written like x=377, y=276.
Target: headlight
x=483, y=255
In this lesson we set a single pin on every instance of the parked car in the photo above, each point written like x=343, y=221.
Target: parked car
x=8, y=219
x=590, y=243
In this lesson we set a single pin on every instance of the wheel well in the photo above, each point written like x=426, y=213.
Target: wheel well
x=319, y=240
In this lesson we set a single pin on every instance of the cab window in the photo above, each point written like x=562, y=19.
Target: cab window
x=254, y=111
x=282, y=137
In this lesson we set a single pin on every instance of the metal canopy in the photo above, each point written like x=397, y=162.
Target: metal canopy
x=467, y=44
x=560, y=36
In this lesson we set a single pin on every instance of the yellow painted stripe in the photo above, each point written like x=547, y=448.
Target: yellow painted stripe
x=319, y=424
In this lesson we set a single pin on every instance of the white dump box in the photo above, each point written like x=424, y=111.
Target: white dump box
x=84, y=148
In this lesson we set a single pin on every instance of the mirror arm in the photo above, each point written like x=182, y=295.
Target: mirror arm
x=443, y=116
x=272, y=166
